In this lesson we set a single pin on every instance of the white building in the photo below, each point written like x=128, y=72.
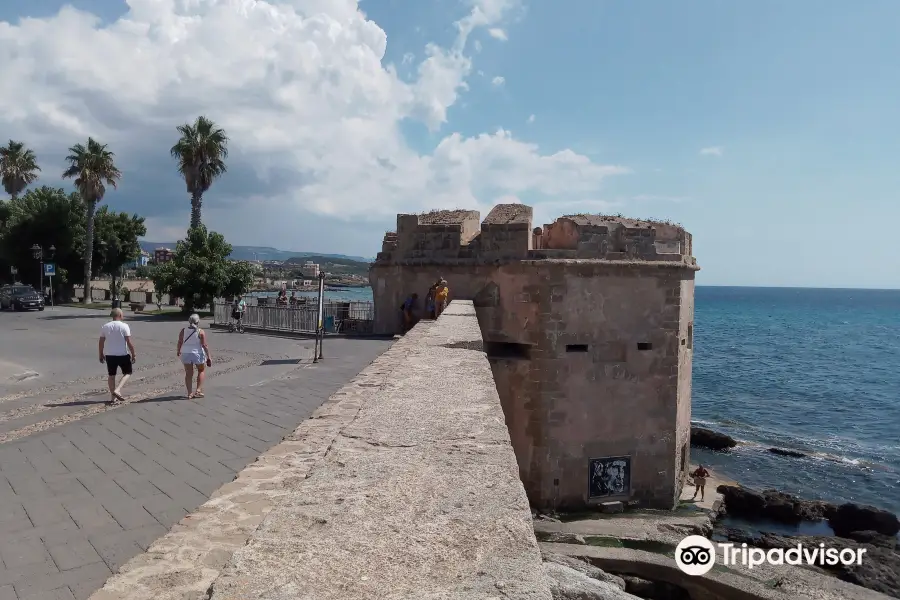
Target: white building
x=311, y=269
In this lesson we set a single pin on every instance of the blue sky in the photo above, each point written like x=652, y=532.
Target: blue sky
x=798, y=98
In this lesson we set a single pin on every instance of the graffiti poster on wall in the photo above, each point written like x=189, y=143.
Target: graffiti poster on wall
x=610, y=476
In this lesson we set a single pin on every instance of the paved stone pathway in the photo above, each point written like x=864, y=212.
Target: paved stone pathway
x=82, y=498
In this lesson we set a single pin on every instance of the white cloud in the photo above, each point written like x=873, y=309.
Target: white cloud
x=498, y=34
x=301, y=87
x=531, y=118
x=498, y=80
x=712, y=151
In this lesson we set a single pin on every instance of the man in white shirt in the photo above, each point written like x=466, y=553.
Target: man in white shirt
x=115, y=346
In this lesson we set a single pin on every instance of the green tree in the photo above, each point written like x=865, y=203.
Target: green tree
x=200, y=153
x=18, y=168
x=116, y=239
x=200, y=271
x=240, y=279
x=48, y=217
x=93, y=168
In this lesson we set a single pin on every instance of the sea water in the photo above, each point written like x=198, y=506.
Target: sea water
x=812, y=370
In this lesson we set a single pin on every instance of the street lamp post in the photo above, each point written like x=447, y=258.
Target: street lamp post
x=320, y=325
x=37, y=251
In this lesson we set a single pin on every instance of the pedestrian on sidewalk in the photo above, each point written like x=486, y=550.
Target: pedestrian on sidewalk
x=115, y=346
x=193, y=352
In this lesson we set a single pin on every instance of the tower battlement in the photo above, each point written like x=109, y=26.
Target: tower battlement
x=507, y=235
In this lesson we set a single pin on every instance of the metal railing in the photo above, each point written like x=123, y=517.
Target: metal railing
x=345, y=317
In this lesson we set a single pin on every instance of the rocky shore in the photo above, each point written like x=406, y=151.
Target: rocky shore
x=855, y=526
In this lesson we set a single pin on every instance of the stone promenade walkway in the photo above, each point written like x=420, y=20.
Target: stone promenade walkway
x=79, y=500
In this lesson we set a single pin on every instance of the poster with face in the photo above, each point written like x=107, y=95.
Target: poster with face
x=610, y=476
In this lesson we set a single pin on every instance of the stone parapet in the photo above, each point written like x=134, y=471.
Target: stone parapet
x=403, y=484
x=417, y=497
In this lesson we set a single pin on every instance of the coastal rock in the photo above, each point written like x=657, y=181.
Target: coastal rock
x=712, y=440
x=773, y=505
x=874, y=538
x=784, y=452
x=568, y=584
x=791, y=509
x=740, y=501
x=859, y=517
x=879, y=571
x=584, y=568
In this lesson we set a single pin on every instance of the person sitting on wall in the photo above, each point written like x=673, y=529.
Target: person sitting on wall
x=441, y=294
x=700, y=474
x=407, y=309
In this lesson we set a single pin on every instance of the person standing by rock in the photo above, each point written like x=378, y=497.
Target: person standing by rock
x=114, y=348
x=700, y=474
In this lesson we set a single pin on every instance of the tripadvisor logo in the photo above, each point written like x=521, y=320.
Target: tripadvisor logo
x=696, y=555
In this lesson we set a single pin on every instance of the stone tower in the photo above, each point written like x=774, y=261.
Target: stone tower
x=588, y=325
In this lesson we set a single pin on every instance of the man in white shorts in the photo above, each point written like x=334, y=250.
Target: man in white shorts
x=117, y=351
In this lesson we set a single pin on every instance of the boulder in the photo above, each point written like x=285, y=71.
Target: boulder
x=584, y=568
x=773, y=505
x=568, y=584
x=786, y=508
x=712, y=440
x=740, y=501
x=859, y=517
x=783, y=452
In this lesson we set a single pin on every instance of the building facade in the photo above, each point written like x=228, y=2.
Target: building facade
x=588, y=325
x=163, y=255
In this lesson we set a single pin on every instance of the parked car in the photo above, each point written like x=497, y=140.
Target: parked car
x=20, y=297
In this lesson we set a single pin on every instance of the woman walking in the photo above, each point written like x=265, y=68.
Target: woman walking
x=193, y=351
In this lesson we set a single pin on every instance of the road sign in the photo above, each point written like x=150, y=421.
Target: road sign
x=13, y=271
x=49, y=269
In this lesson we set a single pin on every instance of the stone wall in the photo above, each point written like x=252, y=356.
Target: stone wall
x=588, y=324
x=417, y=497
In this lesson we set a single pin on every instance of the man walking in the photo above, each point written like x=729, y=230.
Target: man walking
x=117, y=351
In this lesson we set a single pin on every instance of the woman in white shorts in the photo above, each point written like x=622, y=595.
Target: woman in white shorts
x=193, y=351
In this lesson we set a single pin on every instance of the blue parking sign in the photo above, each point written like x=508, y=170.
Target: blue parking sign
x=49, y=269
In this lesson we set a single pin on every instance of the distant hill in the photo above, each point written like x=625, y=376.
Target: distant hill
x=266, y=253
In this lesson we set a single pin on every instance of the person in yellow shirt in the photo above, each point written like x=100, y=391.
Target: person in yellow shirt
x=441, y=294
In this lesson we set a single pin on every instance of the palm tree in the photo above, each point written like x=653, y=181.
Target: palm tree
x=200, y=153
x=92, y=166
x=18, y=168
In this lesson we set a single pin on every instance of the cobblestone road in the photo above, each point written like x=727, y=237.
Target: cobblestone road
x=85, y=487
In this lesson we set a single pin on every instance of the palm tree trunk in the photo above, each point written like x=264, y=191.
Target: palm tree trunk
x=196, y=201
x=89, y=249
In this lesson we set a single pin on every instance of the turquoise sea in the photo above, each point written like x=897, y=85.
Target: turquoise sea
x=814, y=370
